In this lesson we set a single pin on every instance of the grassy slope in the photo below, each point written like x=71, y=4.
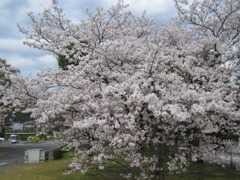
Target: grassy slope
x=53, y=170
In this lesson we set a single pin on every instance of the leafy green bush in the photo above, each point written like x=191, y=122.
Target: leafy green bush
x=23, y=137
x=33, y=138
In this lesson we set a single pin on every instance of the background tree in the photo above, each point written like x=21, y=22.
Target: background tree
x=6, y=112
x=6, y=70
x=139, y=93
x=9, y=111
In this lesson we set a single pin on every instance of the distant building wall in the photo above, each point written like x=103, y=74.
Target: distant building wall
x=15, y=127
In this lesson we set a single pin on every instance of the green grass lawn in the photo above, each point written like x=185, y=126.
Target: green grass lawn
x=202, y=171
x=53, y=170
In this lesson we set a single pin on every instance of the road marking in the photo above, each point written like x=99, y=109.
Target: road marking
x=3, y=164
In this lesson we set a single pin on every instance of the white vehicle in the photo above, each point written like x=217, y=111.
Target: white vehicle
x=2, y=139
x=13, y=138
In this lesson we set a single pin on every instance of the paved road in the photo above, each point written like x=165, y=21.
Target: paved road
x=15, y=156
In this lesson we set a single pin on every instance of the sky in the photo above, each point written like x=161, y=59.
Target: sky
x=32, y=61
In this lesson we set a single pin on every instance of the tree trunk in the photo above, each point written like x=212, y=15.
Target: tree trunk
x=160, y=151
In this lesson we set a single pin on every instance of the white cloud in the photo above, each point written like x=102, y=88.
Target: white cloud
x=48, y=60
x=152, y=6
x=31, y=66
x=16, y=61
x=11, y=46
x=28, y=60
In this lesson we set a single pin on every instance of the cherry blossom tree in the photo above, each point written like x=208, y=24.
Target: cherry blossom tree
x=6, y=109
x=135, y=94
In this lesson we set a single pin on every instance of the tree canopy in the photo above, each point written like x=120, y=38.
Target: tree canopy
x=138, y=94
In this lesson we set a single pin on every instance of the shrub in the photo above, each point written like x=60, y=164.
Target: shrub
x=57, y=153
